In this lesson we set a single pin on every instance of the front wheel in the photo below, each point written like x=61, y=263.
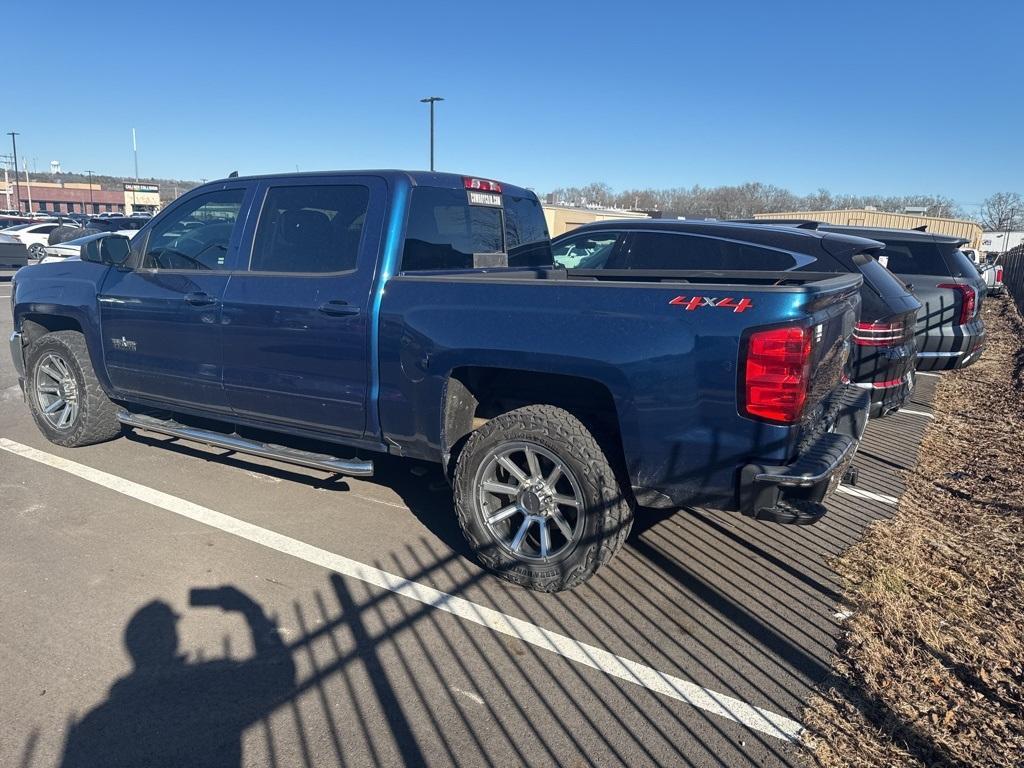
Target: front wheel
x=64, y=395
x=538, y=500
x=37, y=251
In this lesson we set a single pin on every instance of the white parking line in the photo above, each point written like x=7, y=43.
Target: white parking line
x=850, y=491
x=916, y=413
x=758, y=719
x=922, y=373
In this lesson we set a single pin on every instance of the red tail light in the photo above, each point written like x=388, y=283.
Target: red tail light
x=999, y=273
x=777, y=373
x=882, y=333
x=968, y=301
x=481, y=185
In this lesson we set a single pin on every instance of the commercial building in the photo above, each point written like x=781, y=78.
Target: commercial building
x=63, y=198
x=563, y=218
x=74, y=197
x=868, y=217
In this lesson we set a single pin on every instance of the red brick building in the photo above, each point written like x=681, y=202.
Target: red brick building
x=71, y=198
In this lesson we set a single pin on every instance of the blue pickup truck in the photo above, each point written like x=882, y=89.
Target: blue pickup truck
x=315, y=317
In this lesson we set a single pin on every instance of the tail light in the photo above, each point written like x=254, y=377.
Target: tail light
x=999, y=273
x=968, y=301
x=882, y=333
x=777, y=373
x=481, y=185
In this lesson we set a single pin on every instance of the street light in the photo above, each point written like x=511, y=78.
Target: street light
x=430, y=100
x=91, y=209
x=17, y=185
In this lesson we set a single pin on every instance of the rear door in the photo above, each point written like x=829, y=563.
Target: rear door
x=296, y=315
x=161, y=318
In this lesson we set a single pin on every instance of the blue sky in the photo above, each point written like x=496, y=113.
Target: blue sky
x=871, y=97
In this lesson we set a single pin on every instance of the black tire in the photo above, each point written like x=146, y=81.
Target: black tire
x=96, y=418
x=607, y=512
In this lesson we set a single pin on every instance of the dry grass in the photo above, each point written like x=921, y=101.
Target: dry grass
x=929, y=671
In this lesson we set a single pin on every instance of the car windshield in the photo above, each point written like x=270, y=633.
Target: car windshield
x=16, y=227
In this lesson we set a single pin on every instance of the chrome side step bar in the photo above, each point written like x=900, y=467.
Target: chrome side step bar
x=350, y=467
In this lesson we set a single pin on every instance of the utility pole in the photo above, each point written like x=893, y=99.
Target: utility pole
x=28, y=185
x=135, y=189
x=430, y=100
x=17, y=185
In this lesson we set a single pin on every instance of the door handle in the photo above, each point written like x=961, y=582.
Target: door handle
x=200, y=299
x=338, y=308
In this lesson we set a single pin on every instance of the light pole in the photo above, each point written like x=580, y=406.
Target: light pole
x=430, y=100
x=17, y=184
x=91, y=209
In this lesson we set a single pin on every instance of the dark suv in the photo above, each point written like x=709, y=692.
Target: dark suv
x=950, y=332
x=883, y=358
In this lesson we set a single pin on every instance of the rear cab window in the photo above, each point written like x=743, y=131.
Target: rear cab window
x=445, y=230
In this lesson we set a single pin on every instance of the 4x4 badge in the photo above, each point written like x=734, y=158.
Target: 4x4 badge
x=728, y=302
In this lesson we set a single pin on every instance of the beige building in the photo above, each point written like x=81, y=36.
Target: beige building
x=865, y=217
x=141, y=198
x=563, y=218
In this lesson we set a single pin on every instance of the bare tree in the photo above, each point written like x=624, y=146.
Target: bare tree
x=1002, y=211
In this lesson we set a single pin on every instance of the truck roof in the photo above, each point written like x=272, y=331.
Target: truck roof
x=415, y=178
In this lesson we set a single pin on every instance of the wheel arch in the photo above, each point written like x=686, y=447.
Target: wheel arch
x=475, y=394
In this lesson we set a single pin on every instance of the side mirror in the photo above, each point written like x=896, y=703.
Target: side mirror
x=112, y=250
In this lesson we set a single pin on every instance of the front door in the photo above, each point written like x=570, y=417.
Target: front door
x=161, y=318
x=296, y=322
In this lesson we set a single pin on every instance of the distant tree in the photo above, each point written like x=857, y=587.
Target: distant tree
x=1002, y=211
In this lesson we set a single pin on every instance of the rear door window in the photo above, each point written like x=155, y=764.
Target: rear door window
x=667, y=250
x=445, y=232
x=310, y=228
x=913, y=258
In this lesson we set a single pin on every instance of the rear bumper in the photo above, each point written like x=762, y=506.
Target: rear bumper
x=794, y=492
x=888, y=396
x=949, y=347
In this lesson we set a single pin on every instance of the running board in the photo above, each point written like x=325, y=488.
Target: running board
x=351, y=467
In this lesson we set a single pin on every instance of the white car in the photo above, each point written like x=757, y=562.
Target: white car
x=33, y=236
x=73, y=248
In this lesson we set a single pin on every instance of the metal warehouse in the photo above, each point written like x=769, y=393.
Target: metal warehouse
x=866, y=217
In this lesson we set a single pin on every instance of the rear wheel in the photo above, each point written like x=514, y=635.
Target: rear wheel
x=36, y=251
x=538, y=500
x=64, y=395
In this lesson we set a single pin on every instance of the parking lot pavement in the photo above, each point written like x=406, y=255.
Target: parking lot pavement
x=667, y=656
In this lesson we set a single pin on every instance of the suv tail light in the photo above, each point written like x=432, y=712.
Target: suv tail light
x=999, y=273
x=777, y=373
x=883, y=333
x=968, y=301
x=481, y=185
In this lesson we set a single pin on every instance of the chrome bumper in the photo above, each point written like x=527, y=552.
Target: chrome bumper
x=18, y=354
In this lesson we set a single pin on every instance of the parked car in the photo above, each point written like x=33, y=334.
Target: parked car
x=33, y=235
x=950, y=331
x=992, y=273
x=13, y=253
x=883, y=355
x=419, y=314
x=116, y=223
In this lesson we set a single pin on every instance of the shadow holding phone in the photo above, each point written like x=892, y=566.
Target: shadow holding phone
x=170, y=712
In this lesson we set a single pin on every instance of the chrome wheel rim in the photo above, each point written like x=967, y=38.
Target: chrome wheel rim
x=530, y=502
x=56, y=391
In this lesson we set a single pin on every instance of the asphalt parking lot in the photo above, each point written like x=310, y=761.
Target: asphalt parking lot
x=696, y=646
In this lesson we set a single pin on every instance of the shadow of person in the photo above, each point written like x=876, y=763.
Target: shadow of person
x=169, y=712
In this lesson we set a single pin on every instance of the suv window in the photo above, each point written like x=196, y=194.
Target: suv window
x=585, y=251
x=666, y=250
x=310, y=229
x=195, y=235
x=446, y=232
x=912, y=258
